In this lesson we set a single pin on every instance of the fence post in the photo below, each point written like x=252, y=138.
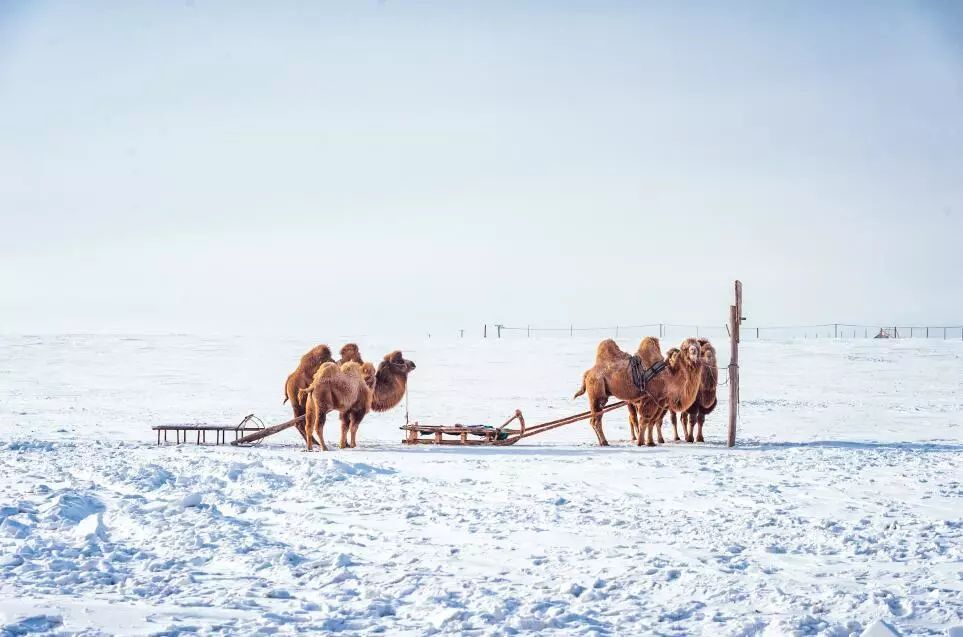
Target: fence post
x=529, y=331
x=485, y=330
x=661, y=330
x=927, y=332
x=571, y=330
x=835, y=330
x=757, y=333
x=735, y=318
x=499, y=328
x=461, y=334
x=944, y=333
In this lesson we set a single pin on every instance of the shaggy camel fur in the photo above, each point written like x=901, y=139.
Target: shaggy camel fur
x=340, y=389
x=705, y=402
x=353, y=391
x=611, y=376
x=301, y=377
x=674, y=389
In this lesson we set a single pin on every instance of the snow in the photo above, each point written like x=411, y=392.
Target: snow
x=842, y=504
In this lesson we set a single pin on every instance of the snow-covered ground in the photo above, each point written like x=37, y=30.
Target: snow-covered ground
x=842, y=503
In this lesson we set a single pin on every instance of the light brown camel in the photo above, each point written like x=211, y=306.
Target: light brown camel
x=705, y=401
x=612, y=375
x=301, y=377
x=353, y=391
x=340, y=389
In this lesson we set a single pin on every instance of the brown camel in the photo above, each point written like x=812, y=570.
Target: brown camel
x=612, y=375
x=676, y=389
x=671, y=359
x=705, y=401
x=353, y=391
x=301, y=378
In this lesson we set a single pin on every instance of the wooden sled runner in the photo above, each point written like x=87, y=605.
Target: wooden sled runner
x=478, y=435
x=415, y=433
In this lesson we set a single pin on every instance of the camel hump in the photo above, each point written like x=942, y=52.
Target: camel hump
x=328, y=370
x=352, y=368
x=650, y=351
x=609, y=350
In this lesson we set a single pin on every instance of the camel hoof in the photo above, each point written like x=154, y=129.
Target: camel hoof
x=650, y=444
x=700, y=439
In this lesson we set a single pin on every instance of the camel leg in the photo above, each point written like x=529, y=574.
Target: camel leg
x=345, y=427
x=658, y=426
x=675, y=426
x=689, y=426
x=702, y=419
x=298, y=412
x=633, y=421
x=312, y=416
x=319, y=429
x=355, y=421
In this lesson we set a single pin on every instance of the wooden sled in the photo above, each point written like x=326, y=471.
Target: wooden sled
x=478, y=435
x=250, y=423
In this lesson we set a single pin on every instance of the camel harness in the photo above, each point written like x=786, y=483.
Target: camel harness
x=640, y=374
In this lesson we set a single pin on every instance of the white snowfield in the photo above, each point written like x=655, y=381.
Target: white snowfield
x=842, y=503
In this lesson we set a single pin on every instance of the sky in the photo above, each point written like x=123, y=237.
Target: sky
x=292, y=167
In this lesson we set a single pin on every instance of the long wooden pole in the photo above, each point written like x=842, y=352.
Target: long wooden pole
x=735, y=318
x=264, y=433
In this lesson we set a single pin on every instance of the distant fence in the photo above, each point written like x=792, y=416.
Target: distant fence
x=749, y=331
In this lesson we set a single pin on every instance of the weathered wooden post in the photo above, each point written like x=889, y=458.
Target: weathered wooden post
x=499, y=328
x=735, y=319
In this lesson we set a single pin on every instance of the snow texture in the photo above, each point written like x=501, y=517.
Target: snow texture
x=842, y=504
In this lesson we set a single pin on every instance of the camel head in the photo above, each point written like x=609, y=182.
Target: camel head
x=707, y=352
x=350, y=352
x=369, y=373
x=395, y=363
x=690, y=351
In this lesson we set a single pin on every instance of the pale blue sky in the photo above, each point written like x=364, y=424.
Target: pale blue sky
x=351, y=166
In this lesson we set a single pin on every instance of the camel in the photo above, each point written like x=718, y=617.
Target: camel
x=671, y=359
x=613, y=375
x=353, y=390
x=680, y=389
x=301, y=378
x=705, y=402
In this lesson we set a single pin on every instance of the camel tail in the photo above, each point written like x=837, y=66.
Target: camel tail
x=581, y=390
x=285, y=399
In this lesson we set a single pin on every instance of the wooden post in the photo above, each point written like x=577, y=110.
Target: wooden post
x=499, y=328
x=757, y=333
x=461, y=333
x=735, y=319
x=485, y=330
x=927, y=332
x=661, y=330
x=529, y=331
x=571, y=330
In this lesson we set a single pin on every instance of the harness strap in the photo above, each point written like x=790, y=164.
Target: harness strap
x=642, y=375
